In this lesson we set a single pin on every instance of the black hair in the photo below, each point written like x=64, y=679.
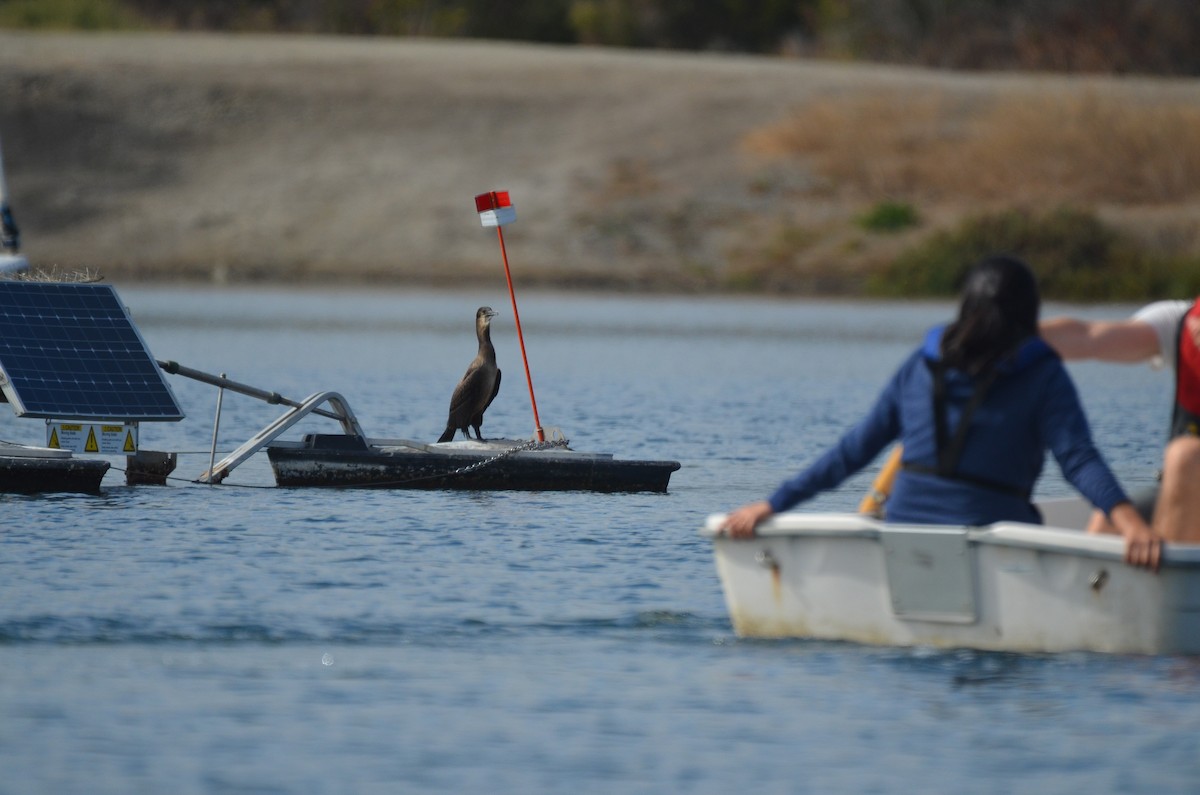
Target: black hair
x=998, y=311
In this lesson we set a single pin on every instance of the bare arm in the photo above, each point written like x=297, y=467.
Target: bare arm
x=1110, y=341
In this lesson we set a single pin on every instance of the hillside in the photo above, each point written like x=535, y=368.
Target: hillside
x=164, y=156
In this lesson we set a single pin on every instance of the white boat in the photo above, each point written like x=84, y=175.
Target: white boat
x=1004, y=587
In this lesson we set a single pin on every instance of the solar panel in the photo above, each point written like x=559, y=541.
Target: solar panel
x=71, y=351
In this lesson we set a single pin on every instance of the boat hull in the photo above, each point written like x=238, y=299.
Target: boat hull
x=1007, y=587
x=490, y=466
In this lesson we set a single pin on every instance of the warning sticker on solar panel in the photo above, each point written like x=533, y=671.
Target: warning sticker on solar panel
x=93, y=437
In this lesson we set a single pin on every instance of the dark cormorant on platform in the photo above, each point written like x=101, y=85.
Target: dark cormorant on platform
x=478, y=387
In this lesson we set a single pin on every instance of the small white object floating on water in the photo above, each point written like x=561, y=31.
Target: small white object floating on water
x=1004, y=587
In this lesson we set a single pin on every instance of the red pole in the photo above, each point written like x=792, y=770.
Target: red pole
x=537, y=423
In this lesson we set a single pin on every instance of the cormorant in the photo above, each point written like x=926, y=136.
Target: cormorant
x=478, y=387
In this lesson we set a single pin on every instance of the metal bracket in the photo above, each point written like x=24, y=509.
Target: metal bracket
x=339, y=408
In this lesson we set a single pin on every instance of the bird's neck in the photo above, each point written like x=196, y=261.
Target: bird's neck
x=485, y=340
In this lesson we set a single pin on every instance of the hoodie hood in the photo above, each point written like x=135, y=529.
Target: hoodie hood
x=1027, y=354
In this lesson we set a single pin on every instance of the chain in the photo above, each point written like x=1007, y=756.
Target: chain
x=530, y=445
x=523, y=447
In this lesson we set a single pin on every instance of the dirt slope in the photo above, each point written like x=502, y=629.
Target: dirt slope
x=197, y=156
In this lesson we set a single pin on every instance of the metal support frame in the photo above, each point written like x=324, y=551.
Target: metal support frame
x=339, y=409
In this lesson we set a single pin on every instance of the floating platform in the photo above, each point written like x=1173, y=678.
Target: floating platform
x=34, y=470
x=344, y=461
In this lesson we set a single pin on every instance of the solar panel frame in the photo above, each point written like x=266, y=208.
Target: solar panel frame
x=72, y=351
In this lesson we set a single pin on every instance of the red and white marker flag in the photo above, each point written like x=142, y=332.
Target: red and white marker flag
x=495, y=208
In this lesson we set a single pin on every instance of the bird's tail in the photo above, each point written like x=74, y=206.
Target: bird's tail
x=448, y=434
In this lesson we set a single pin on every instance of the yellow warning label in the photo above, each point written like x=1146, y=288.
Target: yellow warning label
x=104, y=438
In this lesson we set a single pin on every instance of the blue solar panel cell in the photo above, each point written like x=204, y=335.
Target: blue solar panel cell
x=71, y=351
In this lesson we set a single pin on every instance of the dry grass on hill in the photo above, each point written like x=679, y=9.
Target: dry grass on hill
x=1134, y=160
x=1083, y=149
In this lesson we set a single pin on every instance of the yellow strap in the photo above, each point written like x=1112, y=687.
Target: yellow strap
x=872, y=504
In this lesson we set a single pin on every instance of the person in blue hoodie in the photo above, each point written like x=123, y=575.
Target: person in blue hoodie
x=975, y=409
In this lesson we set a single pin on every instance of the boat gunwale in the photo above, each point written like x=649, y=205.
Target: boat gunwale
x=1044, y=538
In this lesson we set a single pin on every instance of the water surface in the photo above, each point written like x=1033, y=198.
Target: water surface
x=249, y=639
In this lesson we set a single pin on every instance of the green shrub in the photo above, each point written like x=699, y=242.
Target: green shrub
x=889, y=216
x=68, y=15
x=1075, y=255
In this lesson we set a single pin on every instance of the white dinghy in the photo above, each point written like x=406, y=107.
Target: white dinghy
x=1005, y=587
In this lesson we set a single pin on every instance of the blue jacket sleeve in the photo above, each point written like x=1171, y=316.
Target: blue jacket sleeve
x=857, y=448
x=1065, y=429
